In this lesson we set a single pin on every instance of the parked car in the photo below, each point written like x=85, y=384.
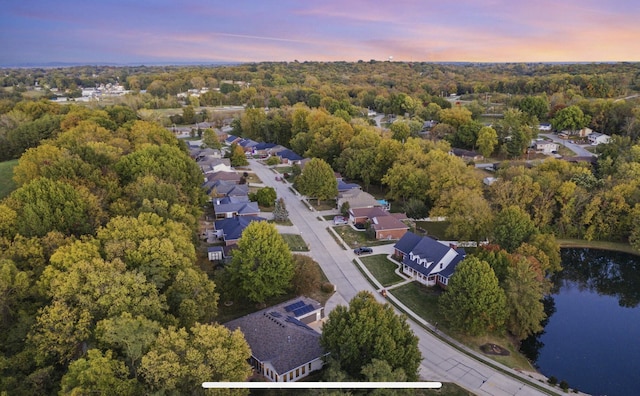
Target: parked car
x=339, y=220
x=362, y=250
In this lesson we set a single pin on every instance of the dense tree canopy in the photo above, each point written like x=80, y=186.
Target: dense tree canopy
x=474, y=303
x=317, y=180
x=262, y=265
x=366, y=331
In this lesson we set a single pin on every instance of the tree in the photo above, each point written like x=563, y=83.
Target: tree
x=570, y=119
x=474, y=303
x=307, y=275
x=487, y=141
x=262, y=265
x=44, y=205
x=455, y=116
x=512, y=226
x=467, y=211
x=415, y=208
x=535, y=106
x=237, y=156
x=317, y=180
x=280, y=213
x=368, y=330
x=210, y=139
x=524, y=291
x=180, y=360
x=99, y=374
x=265, y=196
x=131, y=336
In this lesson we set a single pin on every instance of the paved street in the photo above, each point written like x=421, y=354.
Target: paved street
x=441, y=361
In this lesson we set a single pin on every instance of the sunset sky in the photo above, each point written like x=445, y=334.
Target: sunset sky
x=207, y=31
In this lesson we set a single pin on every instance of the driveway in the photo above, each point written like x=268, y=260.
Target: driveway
x=441, y=361
x=576, y=148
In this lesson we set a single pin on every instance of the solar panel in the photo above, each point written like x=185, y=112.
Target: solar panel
x=294, y=306
x=296, y=322
x=304, y=310
x=275, y=314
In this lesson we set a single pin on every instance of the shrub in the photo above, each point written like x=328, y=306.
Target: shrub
x=327, y=287
x=552, y=380
x=564, y=385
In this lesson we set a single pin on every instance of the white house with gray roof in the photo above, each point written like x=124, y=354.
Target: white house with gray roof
x=283, y=347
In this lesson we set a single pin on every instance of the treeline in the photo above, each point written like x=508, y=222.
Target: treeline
x=99, y=287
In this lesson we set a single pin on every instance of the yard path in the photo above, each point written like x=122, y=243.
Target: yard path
x=441, y=360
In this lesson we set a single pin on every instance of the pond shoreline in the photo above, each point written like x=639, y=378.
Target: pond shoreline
x=601, y=245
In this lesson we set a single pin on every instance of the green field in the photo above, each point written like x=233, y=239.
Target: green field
x=295, y=242
x=382, y=269
x=6, y=177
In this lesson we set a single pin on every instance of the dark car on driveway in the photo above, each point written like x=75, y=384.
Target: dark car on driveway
x=362, y=250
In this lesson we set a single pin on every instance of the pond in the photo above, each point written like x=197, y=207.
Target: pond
x=592, y=336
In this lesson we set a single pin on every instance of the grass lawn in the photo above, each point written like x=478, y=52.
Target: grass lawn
x=382, y=269
x=6, y=177
x=324, y=205
x=283, y=169
x=435, y=229
x=424, y=302
x=295, y=242
x=605, y=245
x=355, y=238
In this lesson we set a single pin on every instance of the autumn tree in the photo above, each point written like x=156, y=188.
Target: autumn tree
x=237, y=156
x=179, y=361
x=511, y=227
x=570, y=119
x=44, y=205
x=524, y=291
x=262, y=265
x=367, y=330
x=307, y=275
x=317, y=180
x=265, y=196
x=98, y=373
x=487, y=141
x=474, y=303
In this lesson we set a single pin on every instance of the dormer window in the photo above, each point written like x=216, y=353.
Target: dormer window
x=440, y=265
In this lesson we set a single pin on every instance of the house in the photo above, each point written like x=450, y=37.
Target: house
x=544, y=127
x=389, y=226
x=466, y=155
x=232, y=139
x=232, y=209
x=222, y=188
x=231, y=177
x=289, y=157
x=384, y=224
x=546, y=147
x=283, y=347
x=597, y=138
x=213, y=165
x=247, y=145
x=357, y=199
x=344, y=186
x=427, y=260
x=585, y=132
x=230, y=230
x=362, y=215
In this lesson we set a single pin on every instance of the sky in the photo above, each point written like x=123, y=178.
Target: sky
x=211, y=31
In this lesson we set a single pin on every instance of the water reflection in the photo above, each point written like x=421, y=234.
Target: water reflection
x=604, y=272
x=593, y=319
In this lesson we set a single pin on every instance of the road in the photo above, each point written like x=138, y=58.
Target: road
x=576, y=148
x=441, y=361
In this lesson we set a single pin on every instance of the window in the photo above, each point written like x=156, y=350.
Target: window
x=297, y=372
x=291, y=375
x=303, y=369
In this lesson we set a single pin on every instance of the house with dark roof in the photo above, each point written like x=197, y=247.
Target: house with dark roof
x=222, y=175
x=238, y=208
x=289, y=157
x=232, y=139
x=222, y=188
x=426, y=260
x=283, y=347
x=384, y=224
x=230, y=230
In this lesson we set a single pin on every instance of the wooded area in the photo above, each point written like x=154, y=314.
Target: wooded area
x=98, y=240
